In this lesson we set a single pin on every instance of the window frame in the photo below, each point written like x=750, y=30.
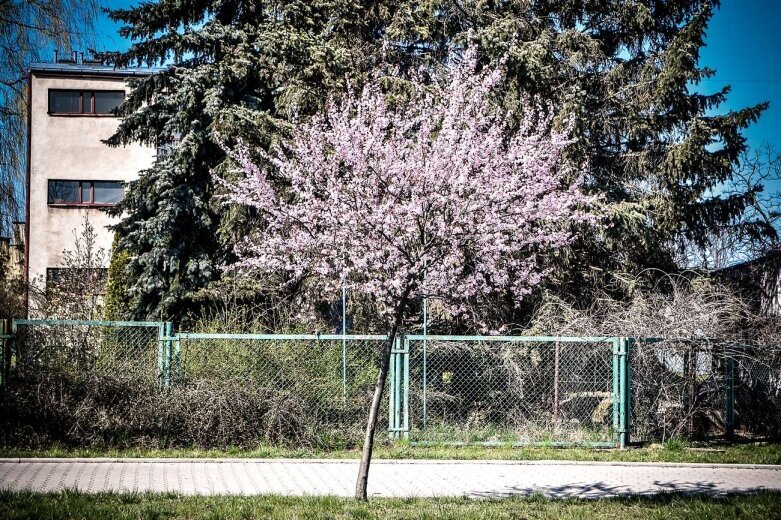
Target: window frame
x=80, y=203
x=82, y=93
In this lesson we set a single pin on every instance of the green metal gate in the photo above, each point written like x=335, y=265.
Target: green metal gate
x=511, y=390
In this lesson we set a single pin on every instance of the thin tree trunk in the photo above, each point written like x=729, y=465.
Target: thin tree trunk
x=371, y=426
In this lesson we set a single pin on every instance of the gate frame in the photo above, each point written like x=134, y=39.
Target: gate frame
x=621, y=390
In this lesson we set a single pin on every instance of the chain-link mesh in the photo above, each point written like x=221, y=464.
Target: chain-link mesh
x=678, y=390
x=705, y=389
x=317, y=389
x=757, y=394
x=44, y=350
x=89, y=384
x=511, y=391
x=111, y=383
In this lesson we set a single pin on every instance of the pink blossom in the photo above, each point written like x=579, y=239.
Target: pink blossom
x=435, y=198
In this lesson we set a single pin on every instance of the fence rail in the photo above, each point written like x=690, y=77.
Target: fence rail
x=483, y=390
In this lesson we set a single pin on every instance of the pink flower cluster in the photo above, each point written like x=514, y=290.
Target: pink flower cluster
x=434, y=197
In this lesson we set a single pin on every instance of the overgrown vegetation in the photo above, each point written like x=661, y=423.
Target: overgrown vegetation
x=284, y=398
x=99, y=388
x=706, y=333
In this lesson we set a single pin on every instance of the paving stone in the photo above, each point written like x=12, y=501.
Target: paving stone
x=389, y=478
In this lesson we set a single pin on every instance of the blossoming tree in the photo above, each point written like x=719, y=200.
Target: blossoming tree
x=439, y=195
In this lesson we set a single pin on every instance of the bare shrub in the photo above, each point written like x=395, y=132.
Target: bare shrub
x=110, y=411
x=700, y=333
x=77, y=290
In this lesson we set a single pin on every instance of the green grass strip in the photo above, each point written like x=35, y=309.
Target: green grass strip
x=675, y=451
x=71, y=505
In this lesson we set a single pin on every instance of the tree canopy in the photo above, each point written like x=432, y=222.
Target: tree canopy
x=621, y=72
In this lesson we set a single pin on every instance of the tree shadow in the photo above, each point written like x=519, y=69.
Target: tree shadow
x=597, y=490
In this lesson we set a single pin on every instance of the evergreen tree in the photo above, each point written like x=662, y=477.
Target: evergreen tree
x=235, y=70
x=621, y=70
x=625, y=70
x=116, y=300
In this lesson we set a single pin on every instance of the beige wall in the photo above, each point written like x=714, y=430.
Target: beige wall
x=70, y=147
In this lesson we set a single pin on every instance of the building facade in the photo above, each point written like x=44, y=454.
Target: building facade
x=71, y=173
x=759, y=280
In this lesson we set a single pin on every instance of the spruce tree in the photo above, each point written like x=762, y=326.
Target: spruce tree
x=234, y=71
x=626, y=72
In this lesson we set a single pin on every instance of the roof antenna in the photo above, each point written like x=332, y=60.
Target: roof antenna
x=56, y=53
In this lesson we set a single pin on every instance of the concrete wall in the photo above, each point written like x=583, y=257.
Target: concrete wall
x=70, y=147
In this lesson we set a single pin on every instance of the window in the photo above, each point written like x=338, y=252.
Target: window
x=64, y=102
x=165, y=146
x=64, y=192
x=85, y=101
x=107, y=192
x=55, y=275
x=108, y=101
x=85, y=193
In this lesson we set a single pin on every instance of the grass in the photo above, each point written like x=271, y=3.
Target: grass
x=529, y=432
x=672, y=451
x=67, y=505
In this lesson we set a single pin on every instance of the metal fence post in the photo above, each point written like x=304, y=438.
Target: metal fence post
x=625, y=390
x=392, y=395
x=406, y=388
x=425, y=383
x=425, y=363
x=169, y=352
x=344, y=347
x=161, y=355
x=12, y=351
x=630, y=344
x=616, y=392
x=397, y=388
x=4, y=340
x=556, y=362
x=177, y=356
x=729, y=412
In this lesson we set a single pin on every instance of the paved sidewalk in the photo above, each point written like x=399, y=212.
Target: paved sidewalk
x=389, y=478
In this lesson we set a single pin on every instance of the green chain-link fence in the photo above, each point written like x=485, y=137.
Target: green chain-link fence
x=518, y=390
x=325, y=381
x=52, y=349
x=705, y=389
x=141, y=379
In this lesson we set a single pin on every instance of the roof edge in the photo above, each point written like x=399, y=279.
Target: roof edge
x=100, y=70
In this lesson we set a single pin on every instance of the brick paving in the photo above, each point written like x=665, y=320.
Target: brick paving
x=388, y=478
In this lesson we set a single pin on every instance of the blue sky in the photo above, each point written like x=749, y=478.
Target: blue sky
x=743, y=45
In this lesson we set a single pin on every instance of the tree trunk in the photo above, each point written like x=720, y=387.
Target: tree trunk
x=371, y=426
